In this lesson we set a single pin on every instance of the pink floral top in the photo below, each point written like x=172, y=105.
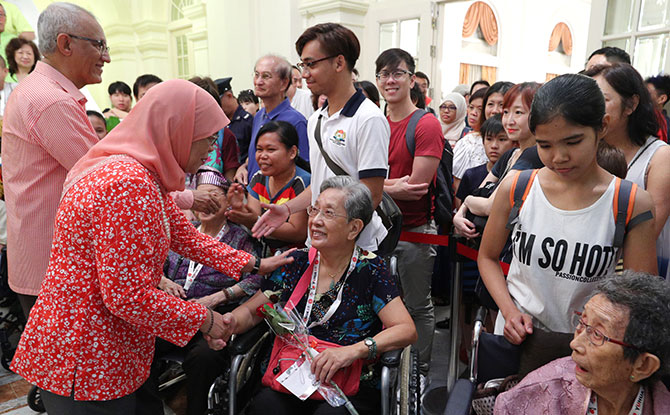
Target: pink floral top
x=93, y=328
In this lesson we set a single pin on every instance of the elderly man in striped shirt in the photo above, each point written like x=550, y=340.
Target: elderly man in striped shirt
x=46, y=131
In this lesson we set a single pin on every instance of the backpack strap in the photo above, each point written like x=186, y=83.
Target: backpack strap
x=622, y=208
x=411, y=130
x=518, y=193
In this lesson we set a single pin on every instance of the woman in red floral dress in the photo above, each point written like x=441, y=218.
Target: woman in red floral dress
x=89, y=341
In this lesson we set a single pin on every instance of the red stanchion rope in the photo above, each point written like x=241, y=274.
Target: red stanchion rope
x=443, y=240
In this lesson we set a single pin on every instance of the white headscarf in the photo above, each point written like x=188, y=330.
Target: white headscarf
x=452, y=131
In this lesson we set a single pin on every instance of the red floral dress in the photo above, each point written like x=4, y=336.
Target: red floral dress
x=93, y=328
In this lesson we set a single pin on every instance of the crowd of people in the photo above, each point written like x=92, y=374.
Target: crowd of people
x=150, y=227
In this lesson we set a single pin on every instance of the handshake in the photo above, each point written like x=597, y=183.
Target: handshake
x=217, y=329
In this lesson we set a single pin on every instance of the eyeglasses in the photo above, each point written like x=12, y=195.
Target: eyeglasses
x=396, y=75
x=594, y=336
x=211, y=140
x=102, y=46
x=447, y=108
x=328, y=214
x=310, y=64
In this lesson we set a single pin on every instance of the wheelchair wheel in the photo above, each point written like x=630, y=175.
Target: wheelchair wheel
x=409, y=382
x=35, y=400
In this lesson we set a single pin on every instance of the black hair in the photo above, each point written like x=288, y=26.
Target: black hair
x=612, y=54
x=118, y=86
x=628, y=83
x=478, y=94
x=661, y=84
x=334, y=40
x=417, y=96
x=391, y=58
x=500, y=87
x=370, y=90
x=144, y=80
x=355, y=71
x=612, y=159
x=422, y=75
x=96, y=114
x=575, y=98
x=288, y=136
x=480, y=82
x=492, y=126
x=247, y=95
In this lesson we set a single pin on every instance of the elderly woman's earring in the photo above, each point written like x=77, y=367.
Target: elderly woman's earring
x=632, y=378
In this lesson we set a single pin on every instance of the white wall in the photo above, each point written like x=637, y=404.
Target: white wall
x=524, y=29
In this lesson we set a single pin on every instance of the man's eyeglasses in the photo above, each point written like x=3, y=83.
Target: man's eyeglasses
x=102, y=46
x=594, y=336
x=328, y=214
x=396, y=75
x=310, y=64
x=447, y=108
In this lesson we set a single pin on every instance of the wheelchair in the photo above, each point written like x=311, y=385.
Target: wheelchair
x=231, y=391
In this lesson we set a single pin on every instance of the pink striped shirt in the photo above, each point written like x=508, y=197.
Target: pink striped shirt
x=45, y=132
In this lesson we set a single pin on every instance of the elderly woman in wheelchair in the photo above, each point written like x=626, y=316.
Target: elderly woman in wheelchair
x=194, y=282
x=620, y=353
x=350, y=300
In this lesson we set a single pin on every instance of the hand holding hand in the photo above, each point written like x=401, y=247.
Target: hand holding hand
x=206, y=202
x=517, y=326
x=171, y=287
x=217, y=329
x=328, y=362
x=273, y=218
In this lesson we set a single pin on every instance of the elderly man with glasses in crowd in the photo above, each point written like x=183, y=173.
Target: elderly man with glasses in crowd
x=46, y=131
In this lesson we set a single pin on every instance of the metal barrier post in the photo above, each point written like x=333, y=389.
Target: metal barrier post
x=456, y=276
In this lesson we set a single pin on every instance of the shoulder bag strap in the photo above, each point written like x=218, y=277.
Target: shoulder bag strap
x=518, y=193
x=301, y=288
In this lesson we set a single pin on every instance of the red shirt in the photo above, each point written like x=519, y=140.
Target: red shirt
x=429, y=142
x=93, y=328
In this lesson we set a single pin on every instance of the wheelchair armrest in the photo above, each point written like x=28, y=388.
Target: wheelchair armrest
x=242, y=343
x=460, y=398
x=391, y=358
x=481, y=314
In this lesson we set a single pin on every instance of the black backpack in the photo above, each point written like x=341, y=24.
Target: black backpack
x=443, y=187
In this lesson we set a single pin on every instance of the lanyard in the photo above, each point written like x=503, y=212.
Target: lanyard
x=638, y=404
x=194, y=268
x=312, y=290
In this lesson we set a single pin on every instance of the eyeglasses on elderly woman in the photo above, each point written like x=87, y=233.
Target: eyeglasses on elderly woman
x=328, y=214
x=594, y=336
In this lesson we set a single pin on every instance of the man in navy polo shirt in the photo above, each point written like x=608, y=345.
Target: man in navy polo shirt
x=353, y=130
x=272, y=77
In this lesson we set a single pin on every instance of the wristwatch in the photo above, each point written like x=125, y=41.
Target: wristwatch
x=372, y=347
x=257, y=266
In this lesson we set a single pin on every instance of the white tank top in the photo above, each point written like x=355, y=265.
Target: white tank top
x=637, y=173
x=559, y=256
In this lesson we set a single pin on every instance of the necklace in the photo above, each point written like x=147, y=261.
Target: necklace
x=334, y=275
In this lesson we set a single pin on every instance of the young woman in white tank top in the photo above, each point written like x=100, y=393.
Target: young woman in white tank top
x=563, y=238
x=632, y=130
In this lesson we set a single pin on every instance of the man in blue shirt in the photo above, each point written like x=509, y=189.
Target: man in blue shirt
x=272, y=77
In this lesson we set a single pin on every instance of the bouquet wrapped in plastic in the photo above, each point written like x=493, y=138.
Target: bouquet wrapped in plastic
x=288, y=326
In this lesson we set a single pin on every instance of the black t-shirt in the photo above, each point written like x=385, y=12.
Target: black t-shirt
x=529, y=159
x=471, y=180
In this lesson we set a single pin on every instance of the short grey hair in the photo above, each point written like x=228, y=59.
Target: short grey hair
x=59, y=17
x=282, y=67
x=647, y=299
x=357, y=197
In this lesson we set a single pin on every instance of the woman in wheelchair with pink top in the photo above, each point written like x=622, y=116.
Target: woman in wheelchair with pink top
x=620, y=353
